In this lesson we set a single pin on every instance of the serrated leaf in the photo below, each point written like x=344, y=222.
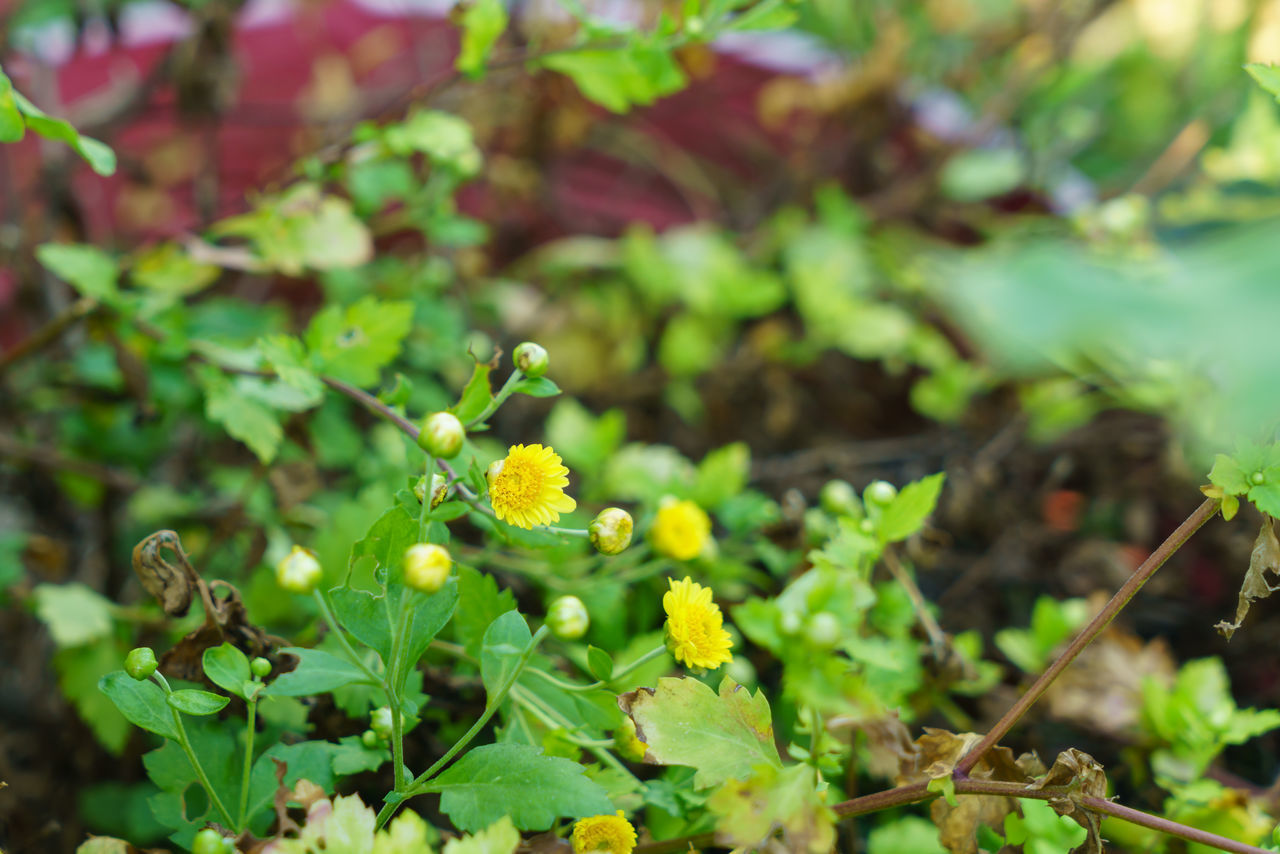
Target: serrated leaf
x=1266, y=497
x=242, y=417
x=365, y=616
x=501, y=837
x=722, y=735
x=617, y=79
x=906, y=514
x=228, y=668
x=749, y=812
x=1228, y=474
x=317, y=672
x=89, y=270
x=483, y=22
x=355, y=343
x=74, y=613
x=505, y=641
x=79, y=670
x=518, y=781
x=285, y=355
x=480, y=602
x=192, y=702
x=1267, y=76
x=142, y=703
x=476, y=395
x=722, y=474
x=99, y=157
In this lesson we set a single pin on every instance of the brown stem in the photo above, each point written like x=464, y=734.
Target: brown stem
x=48, y=333
x=937, y=639
x=372, y=403
x=1202, y=514
x=46, y=458
x=1164, y=825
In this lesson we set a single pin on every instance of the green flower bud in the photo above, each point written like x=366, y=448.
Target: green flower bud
x=790, y=623
x=610, y=531
x=369, y=739
x=818, y=526
x=568, y=618
x=1257, y=477
x=380, y=723
x=439, y=489
x=823, y=630
x=299, y=571
x=531, y=359
x=260, y=667
x=441, y=435
x=839, y=499
x=426, y=567
x=140, y=663
x=880, y=492
x=208, y=841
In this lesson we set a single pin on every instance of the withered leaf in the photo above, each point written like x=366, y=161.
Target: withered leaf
x=1265, y=557
x=173, y=586
x=1084, y=777
x=958, y=825
x=889, y=744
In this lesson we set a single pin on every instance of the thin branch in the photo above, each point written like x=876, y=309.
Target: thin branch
x=937, y=639
x=1199, y=516
x=1164, y=825
x=50, y=332
x=46, y=458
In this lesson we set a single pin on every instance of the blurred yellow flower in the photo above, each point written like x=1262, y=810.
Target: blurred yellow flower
x=527, y=488
x=612, y=833
x=695, y=628
x=680, y=529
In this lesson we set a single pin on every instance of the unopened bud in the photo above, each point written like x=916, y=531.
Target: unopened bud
x=369, y=739
x=880, y=492
x=531, y=359
x=299, y=571
x=610, y=531
x=380, y=723
x=208, y=841
x=140, y=663
x=439, y=489
x=441, y=435
x=426, y=567
x=840, y=499
x=823, y=630
x=260, y=667
x=568, y=618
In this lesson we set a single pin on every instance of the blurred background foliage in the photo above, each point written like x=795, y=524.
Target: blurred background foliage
x=765, y=244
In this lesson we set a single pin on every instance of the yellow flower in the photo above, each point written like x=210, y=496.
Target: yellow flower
x=680, y=530
x=695, y=629
x=604, y=833
x=527, y=488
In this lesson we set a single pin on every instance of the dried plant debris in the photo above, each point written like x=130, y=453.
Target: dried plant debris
x=1264, y=558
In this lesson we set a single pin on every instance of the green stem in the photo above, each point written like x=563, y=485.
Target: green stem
x=639, y=662
x=498, y=399
x=553, y=719
x=567, y=686
x=392, y=687
x=185, y=743
x=427, y=498
x=248, y=761
x=491, y=707
x=336, y=630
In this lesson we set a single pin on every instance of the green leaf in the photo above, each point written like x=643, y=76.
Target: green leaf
x=242, y=417
x=446, y=139
x=582, y=438
x=906, y=514
x=143, y=703
x=772, y=799
x=504, y=643
x=766, y=15
x=909, y=834
x=168, y=269
x=285, y=355
x=99, y=157
x=227, y=667
x=537, y=387
x=483, y=22
x=480, y=602
x=477, y=395
x=365, y=616
x=308, y=760
x=599, y=664
x=501, y=837
x=355, y=343
x=90, y=271
x=1266, y=497
x=317, y=672
x=518, y=781
x=618, y=79
x=428, y=616
x=1227, y=474
x=192, y=702
x=449, y=511
x=12, y=127
x=74, y=613
x=722, y=474
x=387, y=540
x=1267, y=76
x=79, y=670
x=723, y=736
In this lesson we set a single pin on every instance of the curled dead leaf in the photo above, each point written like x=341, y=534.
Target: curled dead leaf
x=1264, y=557
x=173, y=586
x=1082, y=776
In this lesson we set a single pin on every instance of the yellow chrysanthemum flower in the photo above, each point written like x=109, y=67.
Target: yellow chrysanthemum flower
x=695, y=628
x=680, y=529
x=527, y=488
x=612, y=833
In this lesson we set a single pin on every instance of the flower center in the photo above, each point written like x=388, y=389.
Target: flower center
x=519, y=485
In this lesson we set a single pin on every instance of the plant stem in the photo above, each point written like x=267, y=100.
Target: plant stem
x=553, y=719
x=1164, y=825
x=639, y=662
x=342, y=638
x=185, y=743
x=1198, y=517
x=498, y=399
x=491, y=707
x=252, y=703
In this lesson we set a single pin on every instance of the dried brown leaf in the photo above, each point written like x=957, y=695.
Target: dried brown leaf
x=1265, y=557
x=173, y=586
x=958, y=825
x=938, y=752
x=1102, y=690
x=1083, y=777
x=889, y=744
